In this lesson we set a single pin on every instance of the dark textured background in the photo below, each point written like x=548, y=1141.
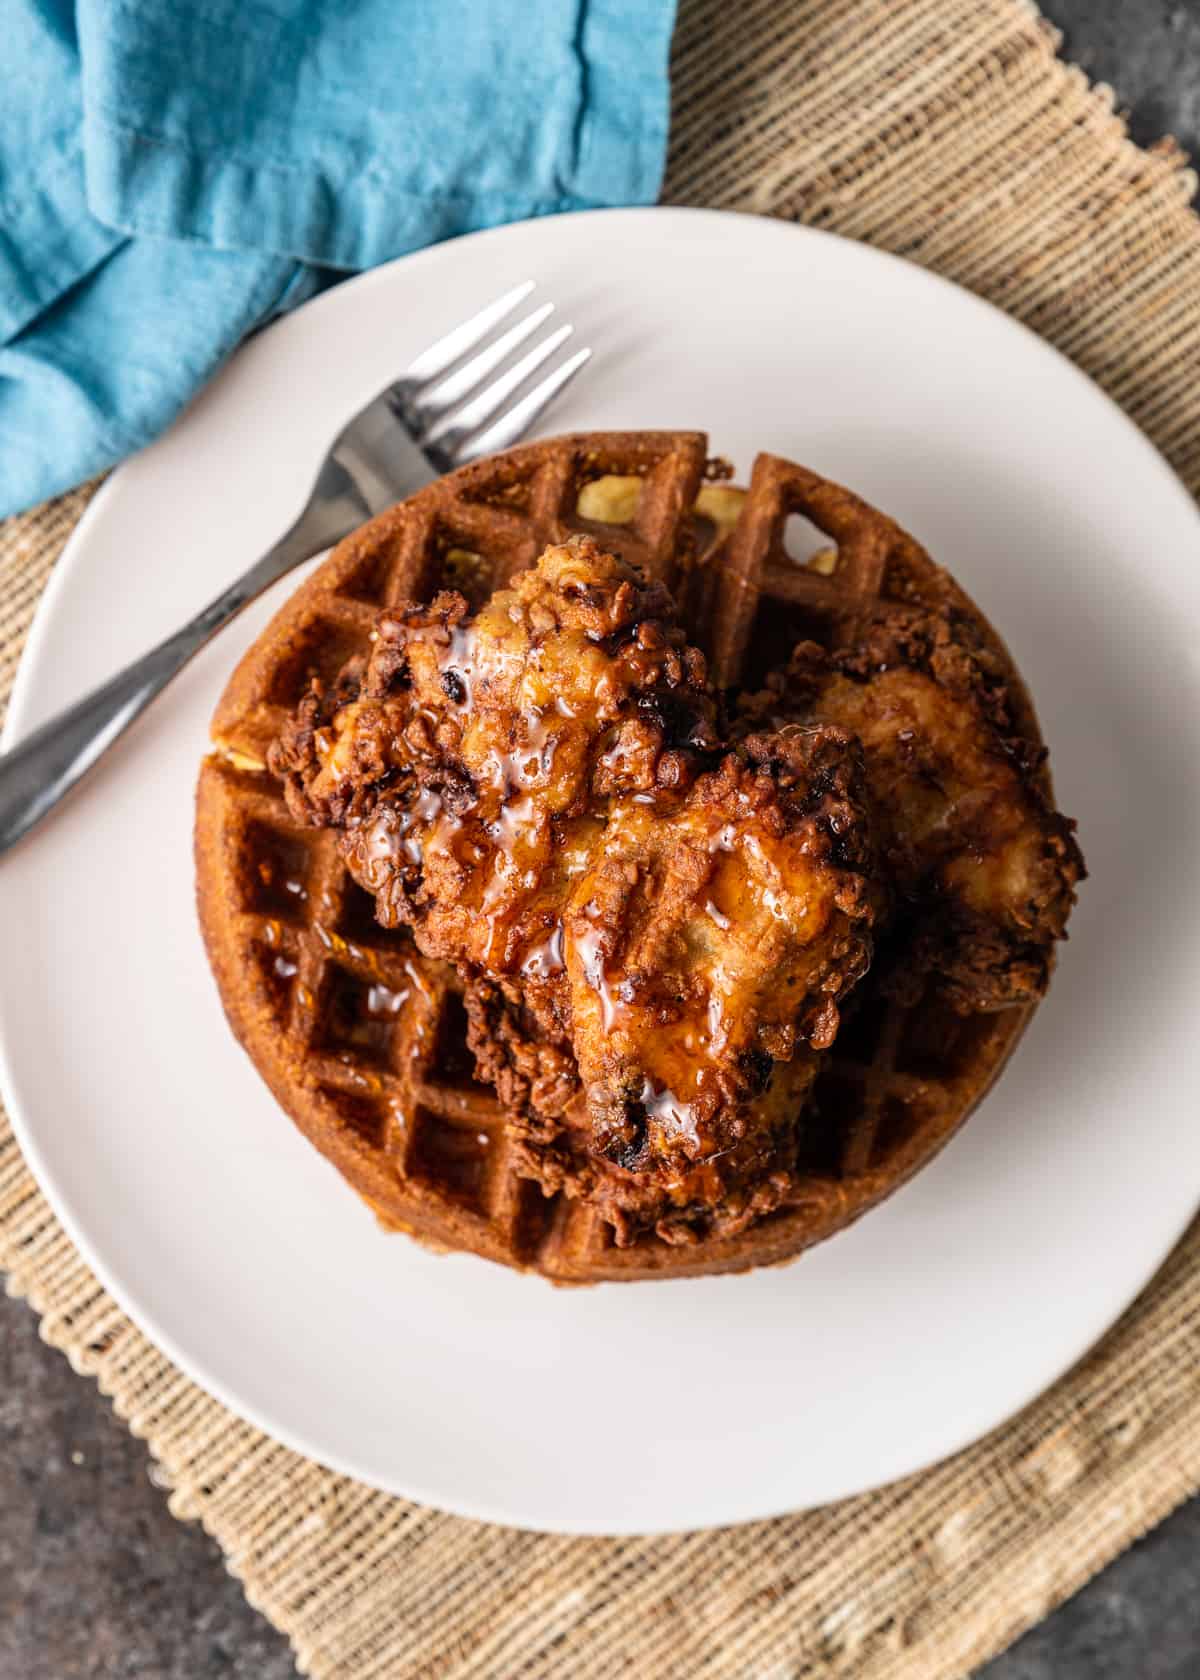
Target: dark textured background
x=97, y=1581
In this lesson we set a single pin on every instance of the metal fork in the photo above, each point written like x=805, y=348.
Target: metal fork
x=462, y=398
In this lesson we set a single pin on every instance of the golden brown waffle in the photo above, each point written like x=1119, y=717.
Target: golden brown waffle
x=362, y=1039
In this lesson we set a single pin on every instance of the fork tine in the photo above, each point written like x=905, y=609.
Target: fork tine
x=513, y=425
x=447, y=350
x=493, y=398
x=431, y=404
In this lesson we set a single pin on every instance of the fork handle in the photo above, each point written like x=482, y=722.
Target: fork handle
x=35, y=775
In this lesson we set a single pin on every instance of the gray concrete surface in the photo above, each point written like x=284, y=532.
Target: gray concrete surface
x=1148, y=50
x=97, y=1582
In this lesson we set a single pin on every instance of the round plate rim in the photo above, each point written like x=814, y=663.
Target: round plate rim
x=26, y=1131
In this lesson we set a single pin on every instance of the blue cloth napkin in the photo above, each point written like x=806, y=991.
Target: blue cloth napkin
x=174, y=173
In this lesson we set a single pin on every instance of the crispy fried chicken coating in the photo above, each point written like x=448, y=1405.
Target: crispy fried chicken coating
x=542, y=794
x=983, y=868
x=533, y=1069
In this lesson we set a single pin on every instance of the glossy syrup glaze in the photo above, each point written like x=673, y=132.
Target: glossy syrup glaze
x=542, y=793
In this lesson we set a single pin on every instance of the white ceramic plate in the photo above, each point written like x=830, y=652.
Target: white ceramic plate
x=626, y=1409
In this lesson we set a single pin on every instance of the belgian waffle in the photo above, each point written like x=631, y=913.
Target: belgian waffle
x=363, y=1040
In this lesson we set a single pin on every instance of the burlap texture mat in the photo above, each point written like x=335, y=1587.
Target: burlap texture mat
x=948, y=131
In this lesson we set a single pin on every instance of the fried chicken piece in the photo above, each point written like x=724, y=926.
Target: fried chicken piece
x=533, y=1070
x=541, y=793
x=984, y=869
x=705, y=942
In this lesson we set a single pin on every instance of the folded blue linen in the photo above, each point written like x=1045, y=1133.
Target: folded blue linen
x=175, y=173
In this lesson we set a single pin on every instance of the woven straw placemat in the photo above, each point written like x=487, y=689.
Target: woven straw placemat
x=946, y=130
